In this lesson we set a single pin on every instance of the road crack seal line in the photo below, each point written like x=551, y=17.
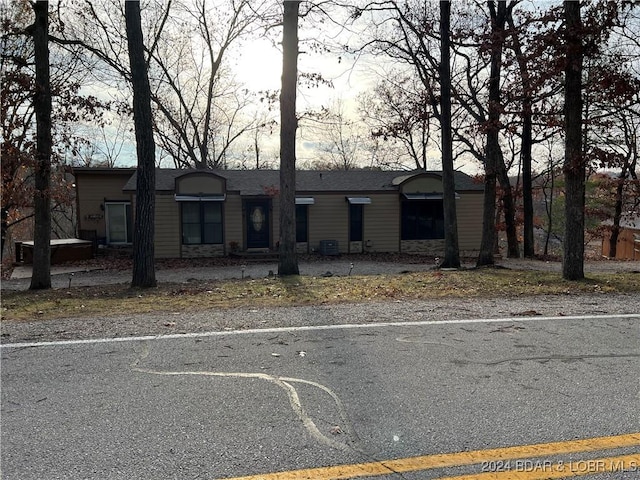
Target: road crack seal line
x=282, y=382
x=562, y=358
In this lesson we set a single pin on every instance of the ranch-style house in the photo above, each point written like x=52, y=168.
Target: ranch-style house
x=206, y=213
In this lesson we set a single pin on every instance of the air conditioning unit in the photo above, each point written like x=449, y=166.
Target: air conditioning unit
x=329, y=247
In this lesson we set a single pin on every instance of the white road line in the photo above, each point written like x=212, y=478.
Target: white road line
x=252, y=331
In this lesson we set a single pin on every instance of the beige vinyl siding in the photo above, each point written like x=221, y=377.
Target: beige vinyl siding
x=328, y=220
x=382, y=223
x=423, y=184
x=233, y=221
x=92, y=191
x=167, y=227
x=274, y=221
x=199, y=183
x=469, y=213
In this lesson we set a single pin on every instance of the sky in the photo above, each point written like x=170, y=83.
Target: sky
x=259, y=66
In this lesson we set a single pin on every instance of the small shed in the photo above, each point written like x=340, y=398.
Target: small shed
x=628, y=244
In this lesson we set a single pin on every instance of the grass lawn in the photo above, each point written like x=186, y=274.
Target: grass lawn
x=302, y=290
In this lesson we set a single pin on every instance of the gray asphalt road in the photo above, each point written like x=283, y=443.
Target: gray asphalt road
x=243, y=403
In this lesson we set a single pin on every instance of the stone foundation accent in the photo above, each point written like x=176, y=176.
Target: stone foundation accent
x=356, y=247
x=423, y=247
x=202, y=251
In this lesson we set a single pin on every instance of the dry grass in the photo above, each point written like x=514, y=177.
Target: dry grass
x=119, y=299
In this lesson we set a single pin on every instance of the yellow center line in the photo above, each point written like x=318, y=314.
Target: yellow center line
x=549, y=470
x=443, y=460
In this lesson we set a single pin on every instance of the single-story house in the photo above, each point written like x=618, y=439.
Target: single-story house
x=204, y=213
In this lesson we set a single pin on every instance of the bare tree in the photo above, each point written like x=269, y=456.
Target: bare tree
x=526, y=156
x=451, y=249
x=339, y=140
x=476, y=95
x=144, y=275
x=256, y=154
x=412, y=41
x=549, y=190
x=69, y=107
x=611, y=129
x=398, y=110
x=41, y=276
x=613, y=139
x=492, y=150
x=574, y=162
x=198, y=105
x=288, y=260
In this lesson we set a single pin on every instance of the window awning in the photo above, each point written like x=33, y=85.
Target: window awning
x=305, y=201
x=359, y=200
x=425, y=196
x=200, y=198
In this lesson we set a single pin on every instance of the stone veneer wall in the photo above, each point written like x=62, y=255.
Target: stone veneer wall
x=200, y=251
x=423, y=247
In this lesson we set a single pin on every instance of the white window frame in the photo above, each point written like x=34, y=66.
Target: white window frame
x=124, y=205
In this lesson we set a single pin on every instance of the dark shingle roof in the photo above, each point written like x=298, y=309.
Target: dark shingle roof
x=253, y=182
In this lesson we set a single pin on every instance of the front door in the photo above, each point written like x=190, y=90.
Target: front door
x=257, y=223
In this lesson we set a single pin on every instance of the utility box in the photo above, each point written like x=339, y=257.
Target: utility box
x=329, y=247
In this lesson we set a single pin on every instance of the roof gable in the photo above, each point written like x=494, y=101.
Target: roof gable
x=199, y=182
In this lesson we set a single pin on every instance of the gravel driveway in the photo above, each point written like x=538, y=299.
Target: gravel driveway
x=61, y=277
x=337, y=267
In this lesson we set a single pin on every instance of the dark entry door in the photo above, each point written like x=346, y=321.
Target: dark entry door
x=257, y=223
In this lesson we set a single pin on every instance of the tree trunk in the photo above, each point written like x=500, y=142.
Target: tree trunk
x=509, y=206
x=617, y=213
x=41, y=277
x=144, y=274
x=548, y=201
x=451, y=248
x=488, y=240
x=574, y=165
x=4, y=225
x=527, y=141
x=527, y=186
x=288, y=260
x=492, y=152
